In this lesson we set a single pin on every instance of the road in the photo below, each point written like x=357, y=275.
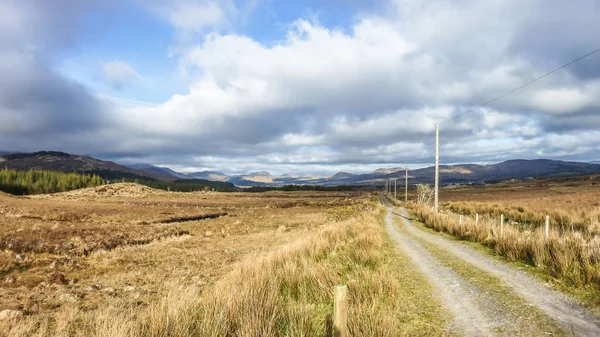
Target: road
x=483, y=296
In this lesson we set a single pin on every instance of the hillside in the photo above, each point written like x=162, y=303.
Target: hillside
x=64, y=162
x=208, y=175
x=157, y=170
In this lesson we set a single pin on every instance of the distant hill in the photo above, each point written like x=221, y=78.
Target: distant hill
x=157, y=170
x=474, y=174
x=342, y=176
x=449, y=174
x=64, y=162
x=259, y=174
x=208, y=175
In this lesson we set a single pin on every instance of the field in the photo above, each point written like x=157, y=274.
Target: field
x=127, y=260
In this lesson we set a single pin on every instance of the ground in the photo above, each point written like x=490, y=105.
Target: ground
x=128, y=243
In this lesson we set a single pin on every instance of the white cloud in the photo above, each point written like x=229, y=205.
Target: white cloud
x=120, y=74
x=371, y=93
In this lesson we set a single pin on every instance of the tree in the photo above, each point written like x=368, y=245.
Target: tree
x=425, y=194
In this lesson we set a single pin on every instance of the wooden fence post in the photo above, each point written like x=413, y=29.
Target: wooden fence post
x=340, y=312
x=460, y=220
x=547, y=226
x=476, y=219
x=501, y=225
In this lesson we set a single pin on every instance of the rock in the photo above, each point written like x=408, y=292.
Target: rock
x=109, y=290
x=12, y=315
x=129, y=288
x=208, y=234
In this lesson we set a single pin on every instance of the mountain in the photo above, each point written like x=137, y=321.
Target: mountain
x=157, y=170
x=388, y=170
x=452, y=174
x=259, y=174
x=342, y=176
x=65, y=162
x=473, y=173
x=209, y=175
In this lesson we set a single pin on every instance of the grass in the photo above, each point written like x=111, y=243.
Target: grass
x=569, y=258
x=267, y=268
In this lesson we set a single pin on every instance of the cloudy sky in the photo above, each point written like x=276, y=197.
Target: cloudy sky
x=310, y=86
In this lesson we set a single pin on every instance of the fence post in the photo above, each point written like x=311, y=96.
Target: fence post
x=460, y=220
x=476, y=219
x=340, y=312
x=501, y=225
x=547, y=225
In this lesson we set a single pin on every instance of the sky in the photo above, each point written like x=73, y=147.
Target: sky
x=299, y=87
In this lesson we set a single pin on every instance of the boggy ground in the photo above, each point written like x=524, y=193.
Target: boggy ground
x=127, y=245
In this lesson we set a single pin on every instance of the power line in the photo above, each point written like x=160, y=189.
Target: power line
x=522, y=86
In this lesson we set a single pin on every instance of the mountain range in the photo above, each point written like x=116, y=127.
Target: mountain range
x=449, y=174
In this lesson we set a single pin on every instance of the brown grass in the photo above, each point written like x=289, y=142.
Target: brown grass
x=266, y=269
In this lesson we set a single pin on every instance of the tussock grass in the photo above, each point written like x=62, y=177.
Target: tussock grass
x=286, y=292
x=574, y=220
x=570, y=256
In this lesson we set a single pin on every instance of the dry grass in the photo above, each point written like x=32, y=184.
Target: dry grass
x=568, y=256
x=571, y=254
x=266, y=269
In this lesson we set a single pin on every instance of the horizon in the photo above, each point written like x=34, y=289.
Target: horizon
x=304, y=174
x=304, y=88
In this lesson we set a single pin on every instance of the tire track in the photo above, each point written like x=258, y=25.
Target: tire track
x=458, y=297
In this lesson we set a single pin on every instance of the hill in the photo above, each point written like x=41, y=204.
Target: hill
x=208, y=175
x=65, y=162
x=512, y=169
x=157, y=170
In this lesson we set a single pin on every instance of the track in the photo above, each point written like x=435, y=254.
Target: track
x=468, y=313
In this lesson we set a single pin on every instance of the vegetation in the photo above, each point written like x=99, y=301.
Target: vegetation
x=191, y=185
x=291, y=188
x=264, y=269
x=570, y=256
x=40, y=181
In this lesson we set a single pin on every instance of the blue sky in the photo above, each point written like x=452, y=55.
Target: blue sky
x=306, y=87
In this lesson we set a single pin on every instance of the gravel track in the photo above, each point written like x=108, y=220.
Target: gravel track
x=458, y=297
x=570, y=315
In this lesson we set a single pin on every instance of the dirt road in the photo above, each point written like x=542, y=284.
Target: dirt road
x=476, y=310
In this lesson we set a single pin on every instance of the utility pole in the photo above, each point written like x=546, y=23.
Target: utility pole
x=395, y=197
x=406, y=186
x=437, y=165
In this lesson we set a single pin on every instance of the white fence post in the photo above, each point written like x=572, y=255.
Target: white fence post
x=460, y=219
x=476, y=219
x=547, y=226
x=501, y=225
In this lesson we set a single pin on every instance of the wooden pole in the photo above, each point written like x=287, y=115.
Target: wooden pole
x=437, y=165
x=502, y=225
x=460, y=219
x=340, y=312
x=476, y=219
x=547, y=226
x=406, y=186
x=395, y=196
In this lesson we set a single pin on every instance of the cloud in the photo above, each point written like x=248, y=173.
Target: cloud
x=196, y=16
x=323, y=99
x=36, y=102
x=120, y=74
